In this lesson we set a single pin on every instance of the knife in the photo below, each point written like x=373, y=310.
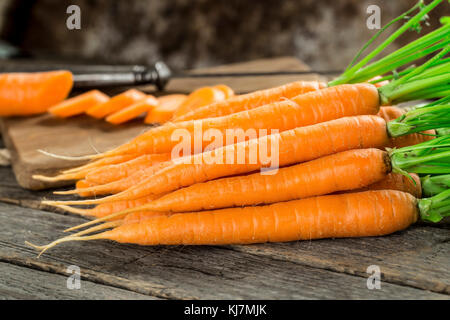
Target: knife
x=95, y=76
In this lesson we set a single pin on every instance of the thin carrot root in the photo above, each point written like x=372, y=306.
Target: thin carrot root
x=61, y=177
x=74, y=191
x=70, y=158
x=42, y=249
x=101, y=162
x=82, y=212
x=102, y=219
x=73, y=237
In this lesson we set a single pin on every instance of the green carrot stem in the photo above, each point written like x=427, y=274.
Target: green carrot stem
x=423, y=68
x=405, y=55
x=414, y=82
x=435, y=208
x=443, y=131
x=347, y=75
x=427, y=157
x=420, y=119
x=430, y=93
x=432, y=185
x=396, y=75
x=371, y=40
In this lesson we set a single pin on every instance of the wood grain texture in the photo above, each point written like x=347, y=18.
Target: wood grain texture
x=197, y=272
x=83, y=135
x=30, y=284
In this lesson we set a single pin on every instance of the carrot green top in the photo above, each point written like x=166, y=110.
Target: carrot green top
x=364, y=70
x=436, y=207
x=432, y=185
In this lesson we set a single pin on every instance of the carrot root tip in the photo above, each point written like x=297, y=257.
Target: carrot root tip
x=66, y=192
x=71, y=158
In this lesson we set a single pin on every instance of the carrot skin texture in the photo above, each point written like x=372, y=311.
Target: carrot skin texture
x=295, y=146
x=252, y=100
x=78, y=104
x=389, y=113
x=105, y=209
x=23, y=94
x=116, y=103
x=346, y=170
x=303, y=110
x=97, y=163
x=88, y=189
x=397, y=181
x=114, y=172
x=370, y=213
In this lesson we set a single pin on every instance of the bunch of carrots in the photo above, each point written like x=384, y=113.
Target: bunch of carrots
x=350, y=163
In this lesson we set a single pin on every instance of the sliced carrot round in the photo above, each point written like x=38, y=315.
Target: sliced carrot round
x=226, y=90
x=167, y=106
x=133, y=111
x=78, y=104
x=199, y=98
x=116, y=103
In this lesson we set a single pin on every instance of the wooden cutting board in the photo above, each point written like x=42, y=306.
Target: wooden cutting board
x=83, y=135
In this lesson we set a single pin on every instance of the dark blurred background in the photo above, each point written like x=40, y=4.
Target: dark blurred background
x=190, y=34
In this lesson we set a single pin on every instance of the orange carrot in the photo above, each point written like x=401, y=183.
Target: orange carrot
x=86, y=189
x=78, y=104
x=23, y=94
x=114, y=172
x=228, y=92
x=252, y=100
x=390, y=113
x=133, y=111
x=303, y=110
x=296, y=145
x=199, y=98
x=82, y=171
x=103, y=162
x=106, y=209
x=397, y=181
x=83, y=184
x=346, y=170
x=362, y=214
x=116, y=103
x=165, y=109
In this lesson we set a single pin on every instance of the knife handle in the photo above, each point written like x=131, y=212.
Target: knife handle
x=159, y=74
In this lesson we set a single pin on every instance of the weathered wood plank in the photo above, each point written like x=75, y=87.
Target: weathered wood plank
x=11, y=192
x=24, y=283
x=180, y=272
x=418, y=256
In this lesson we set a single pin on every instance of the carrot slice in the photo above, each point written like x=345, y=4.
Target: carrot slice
x=24, y=94
x=133, y=111
x=116, y=103
x=226, y=90
x=199, y=98
x=167, y=106
x=78, y=104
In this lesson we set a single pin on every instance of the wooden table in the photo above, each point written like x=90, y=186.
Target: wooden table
x=414, y=264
